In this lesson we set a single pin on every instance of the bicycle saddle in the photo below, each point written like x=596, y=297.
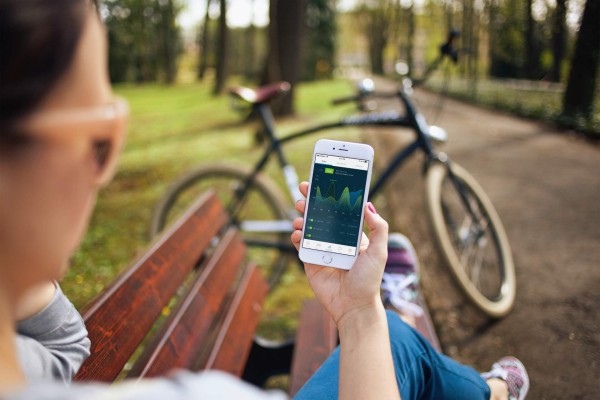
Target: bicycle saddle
x=261, y=94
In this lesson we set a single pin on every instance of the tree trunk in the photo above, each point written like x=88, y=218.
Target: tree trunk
x=250, y=48
x=492, y=40
x=449, y=15
x=579, y=95
x=377, y=38
x=531, y=62
x=411, y=39
x=558, y=39
x=203, y=44
x=474, y=53
x=170, y=43
x=376, y=56
x=467, y=38
x=222, y=49
x=285, y=41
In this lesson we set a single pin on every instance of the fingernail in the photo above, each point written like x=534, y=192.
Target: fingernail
x=371, y=207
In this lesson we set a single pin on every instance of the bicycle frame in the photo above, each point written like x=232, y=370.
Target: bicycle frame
x=411, y=119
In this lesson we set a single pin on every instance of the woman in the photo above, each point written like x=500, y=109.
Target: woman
x=61, y=130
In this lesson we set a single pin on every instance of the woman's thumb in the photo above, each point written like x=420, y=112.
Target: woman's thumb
x=378, y=231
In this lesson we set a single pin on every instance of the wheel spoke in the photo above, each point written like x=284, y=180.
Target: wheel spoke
x=467, y=252
x=477, y=267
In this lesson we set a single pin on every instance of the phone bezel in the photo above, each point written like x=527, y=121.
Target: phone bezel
x=342, y=149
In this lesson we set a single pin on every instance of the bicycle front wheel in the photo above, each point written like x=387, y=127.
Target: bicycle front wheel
x=259, y=213
x=471, y=238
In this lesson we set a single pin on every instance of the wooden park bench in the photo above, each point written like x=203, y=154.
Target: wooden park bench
x=195, y=273
x=192, y=301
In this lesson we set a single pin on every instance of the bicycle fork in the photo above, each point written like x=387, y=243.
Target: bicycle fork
x=476, y=230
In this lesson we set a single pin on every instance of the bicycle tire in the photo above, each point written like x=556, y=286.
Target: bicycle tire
x=444, y=204
x=223, y=178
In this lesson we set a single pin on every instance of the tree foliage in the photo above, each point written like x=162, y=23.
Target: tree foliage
x=204, y=42
x=144, y=40
x=507, y=51
x=559, y=39
x=248, y=50
x=321, y=29
x=518, y=39
x=377, y=21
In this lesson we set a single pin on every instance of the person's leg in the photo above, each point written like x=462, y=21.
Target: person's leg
x=498, y=388
x=421, y=372
x=443, y=377
x=400, y=290
x=325, y=382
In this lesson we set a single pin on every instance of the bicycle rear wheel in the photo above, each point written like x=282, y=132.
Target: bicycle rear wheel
x=261, y=214
x=471, y=238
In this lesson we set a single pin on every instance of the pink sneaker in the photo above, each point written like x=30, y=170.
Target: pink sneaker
x=513, y=372
x=400, y=284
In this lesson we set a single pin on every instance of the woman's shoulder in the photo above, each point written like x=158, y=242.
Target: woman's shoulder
x=180, y=385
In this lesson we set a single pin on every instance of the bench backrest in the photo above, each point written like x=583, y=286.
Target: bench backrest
x=196, y=274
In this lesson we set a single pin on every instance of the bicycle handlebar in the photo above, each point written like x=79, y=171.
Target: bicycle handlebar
x=348, y=99
x=447, y=49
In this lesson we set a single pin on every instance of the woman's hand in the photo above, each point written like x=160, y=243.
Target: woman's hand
x=352, y=299
x=347, y=293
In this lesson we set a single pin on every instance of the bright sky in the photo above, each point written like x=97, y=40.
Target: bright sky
x=239, y=13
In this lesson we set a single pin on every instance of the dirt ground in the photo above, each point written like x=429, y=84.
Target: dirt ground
x=545, y=185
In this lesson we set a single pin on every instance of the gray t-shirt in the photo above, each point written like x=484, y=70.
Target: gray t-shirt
x=209, y=385
x=53, y=344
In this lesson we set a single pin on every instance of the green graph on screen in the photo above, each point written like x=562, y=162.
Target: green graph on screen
x=335, y=204
x=347, y=200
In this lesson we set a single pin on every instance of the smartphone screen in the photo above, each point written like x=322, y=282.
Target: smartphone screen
x=333, y=218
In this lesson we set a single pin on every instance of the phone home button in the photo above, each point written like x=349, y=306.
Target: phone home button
x=327, y=259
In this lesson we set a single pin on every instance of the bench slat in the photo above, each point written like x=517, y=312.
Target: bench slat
x=315, y=340
x=239, y=325
x=425, y=326
x=120, y=318
x=185, y=332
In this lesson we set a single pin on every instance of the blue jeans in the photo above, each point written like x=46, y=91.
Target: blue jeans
x=421, y=372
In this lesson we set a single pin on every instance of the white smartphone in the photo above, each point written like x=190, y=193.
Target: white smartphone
x=340, y=176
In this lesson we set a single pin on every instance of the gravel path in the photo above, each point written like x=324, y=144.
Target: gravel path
x=546, y=187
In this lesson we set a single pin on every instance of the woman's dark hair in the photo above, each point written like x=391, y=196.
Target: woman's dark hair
x=38, y=39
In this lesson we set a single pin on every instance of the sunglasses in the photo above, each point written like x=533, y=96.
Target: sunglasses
x=104, y=127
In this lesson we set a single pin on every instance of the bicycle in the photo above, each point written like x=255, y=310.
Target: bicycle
x=463, y=218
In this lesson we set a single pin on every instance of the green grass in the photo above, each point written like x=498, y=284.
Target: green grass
x=173, y=129
x=529, y=99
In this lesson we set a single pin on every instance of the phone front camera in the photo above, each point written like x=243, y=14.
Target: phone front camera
x=334, y=148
